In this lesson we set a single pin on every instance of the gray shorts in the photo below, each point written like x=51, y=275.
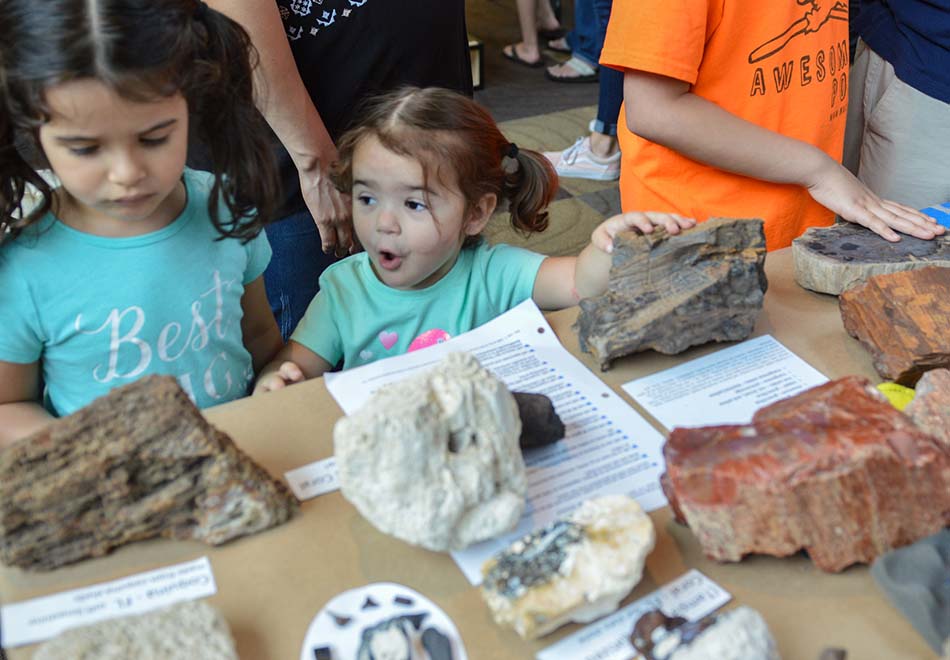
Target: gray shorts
x=897, y=139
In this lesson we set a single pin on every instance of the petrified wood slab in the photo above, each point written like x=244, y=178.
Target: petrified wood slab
x=672, y=292
x=835, y=470
x=137, y=463
x=903, y=320
x=930, y=408
x=833, y=259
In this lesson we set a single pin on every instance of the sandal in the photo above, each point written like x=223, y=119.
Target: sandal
x=511, y=53
x=585, y=72
x=559, y=45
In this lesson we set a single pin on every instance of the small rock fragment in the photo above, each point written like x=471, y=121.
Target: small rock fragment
x=540, y=423
x=930, y=408
x=576, y=569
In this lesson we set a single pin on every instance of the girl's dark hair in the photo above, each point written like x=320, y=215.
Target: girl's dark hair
x=439, y=127
x=144, y=50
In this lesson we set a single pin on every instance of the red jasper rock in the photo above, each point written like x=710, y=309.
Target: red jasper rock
x=902, y=320
x=836, y=471
x=930, y=408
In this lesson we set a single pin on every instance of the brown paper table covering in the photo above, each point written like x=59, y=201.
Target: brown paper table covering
x=271, y=585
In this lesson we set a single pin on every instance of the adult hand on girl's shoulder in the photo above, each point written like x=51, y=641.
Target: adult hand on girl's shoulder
x=286, y=374
x=644, y=221
x=330, y=209
x=838, y=190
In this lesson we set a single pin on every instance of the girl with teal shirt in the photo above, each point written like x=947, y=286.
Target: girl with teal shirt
x=129, y=263
x=425, y=169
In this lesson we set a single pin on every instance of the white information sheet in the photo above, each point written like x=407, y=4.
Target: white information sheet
x=42, y=618
x=691, y=596
x=725, y=387
x=608, y=448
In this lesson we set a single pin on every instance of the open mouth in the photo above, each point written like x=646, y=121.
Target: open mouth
x=389, y=260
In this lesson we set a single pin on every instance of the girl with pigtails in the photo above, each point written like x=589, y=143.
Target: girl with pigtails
x=127, y=263
x=426, y=169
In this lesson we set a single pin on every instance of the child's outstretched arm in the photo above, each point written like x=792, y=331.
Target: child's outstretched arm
x=563, y=281
x=294, y=363
x=667, y=113
x=20, y=411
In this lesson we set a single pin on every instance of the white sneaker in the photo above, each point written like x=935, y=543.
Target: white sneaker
x=578, y=162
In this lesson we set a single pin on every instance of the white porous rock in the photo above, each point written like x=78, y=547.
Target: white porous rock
x=576, y=569
x=181, y=632
x=434, y=459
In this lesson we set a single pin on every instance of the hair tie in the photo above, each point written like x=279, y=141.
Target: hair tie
x=201, y=10
x=512, y=150
x=509, y=162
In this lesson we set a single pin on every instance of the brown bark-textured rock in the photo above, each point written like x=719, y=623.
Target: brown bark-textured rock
x=836, y=471
x=902, y=319
x=833, y=259
x=672, y=292
x=930, y=408
x=137, y=463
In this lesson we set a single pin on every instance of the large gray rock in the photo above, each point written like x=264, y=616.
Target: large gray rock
x=930, y=408
x=833, y=259
x=434, y=459
x=575, y=569
x=187, y=631
x=137, y=463
x=672, y=292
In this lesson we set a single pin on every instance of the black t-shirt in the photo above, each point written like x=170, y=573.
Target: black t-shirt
x=347, y=50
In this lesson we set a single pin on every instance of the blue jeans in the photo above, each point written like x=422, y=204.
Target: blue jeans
x=586, y=41
x=292, y=277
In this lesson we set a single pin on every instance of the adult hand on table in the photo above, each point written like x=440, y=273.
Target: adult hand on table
x=838, y=190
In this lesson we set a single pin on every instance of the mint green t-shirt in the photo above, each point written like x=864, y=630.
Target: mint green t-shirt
x=102, y=312
x=359, y=319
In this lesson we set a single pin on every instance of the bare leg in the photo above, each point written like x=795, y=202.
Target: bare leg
x=546, y=20
x=527, y=18
x=603, y=146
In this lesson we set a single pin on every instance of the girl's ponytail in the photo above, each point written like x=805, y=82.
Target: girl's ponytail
x=530, y=185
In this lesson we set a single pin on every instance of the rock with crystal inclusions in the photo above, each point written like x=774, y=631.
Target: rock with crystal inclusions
x=575, y=569
x=434, y=459
x=137, y=463
x=739, y=634
x=670, y=292
x=902, y=320
x=835, y=470
x=833, y=259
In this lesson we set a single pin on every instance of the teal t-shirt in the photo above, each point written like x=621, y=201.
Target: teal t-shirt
x=359, y=319
x=102, y=312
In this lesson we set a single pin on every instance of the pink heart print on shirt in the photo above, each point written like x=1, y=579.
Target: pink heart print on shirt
x=429, y=338
x=388, y=339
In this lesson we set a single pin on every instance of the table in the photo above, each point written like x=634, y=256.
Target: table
x=271, y=585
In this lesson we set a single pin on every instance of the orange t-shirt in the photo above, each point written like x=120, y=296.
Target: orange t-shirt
x=781, y=65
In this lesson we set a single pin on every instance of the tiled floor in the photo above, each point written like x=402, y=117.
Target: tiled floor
x=522, y=101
